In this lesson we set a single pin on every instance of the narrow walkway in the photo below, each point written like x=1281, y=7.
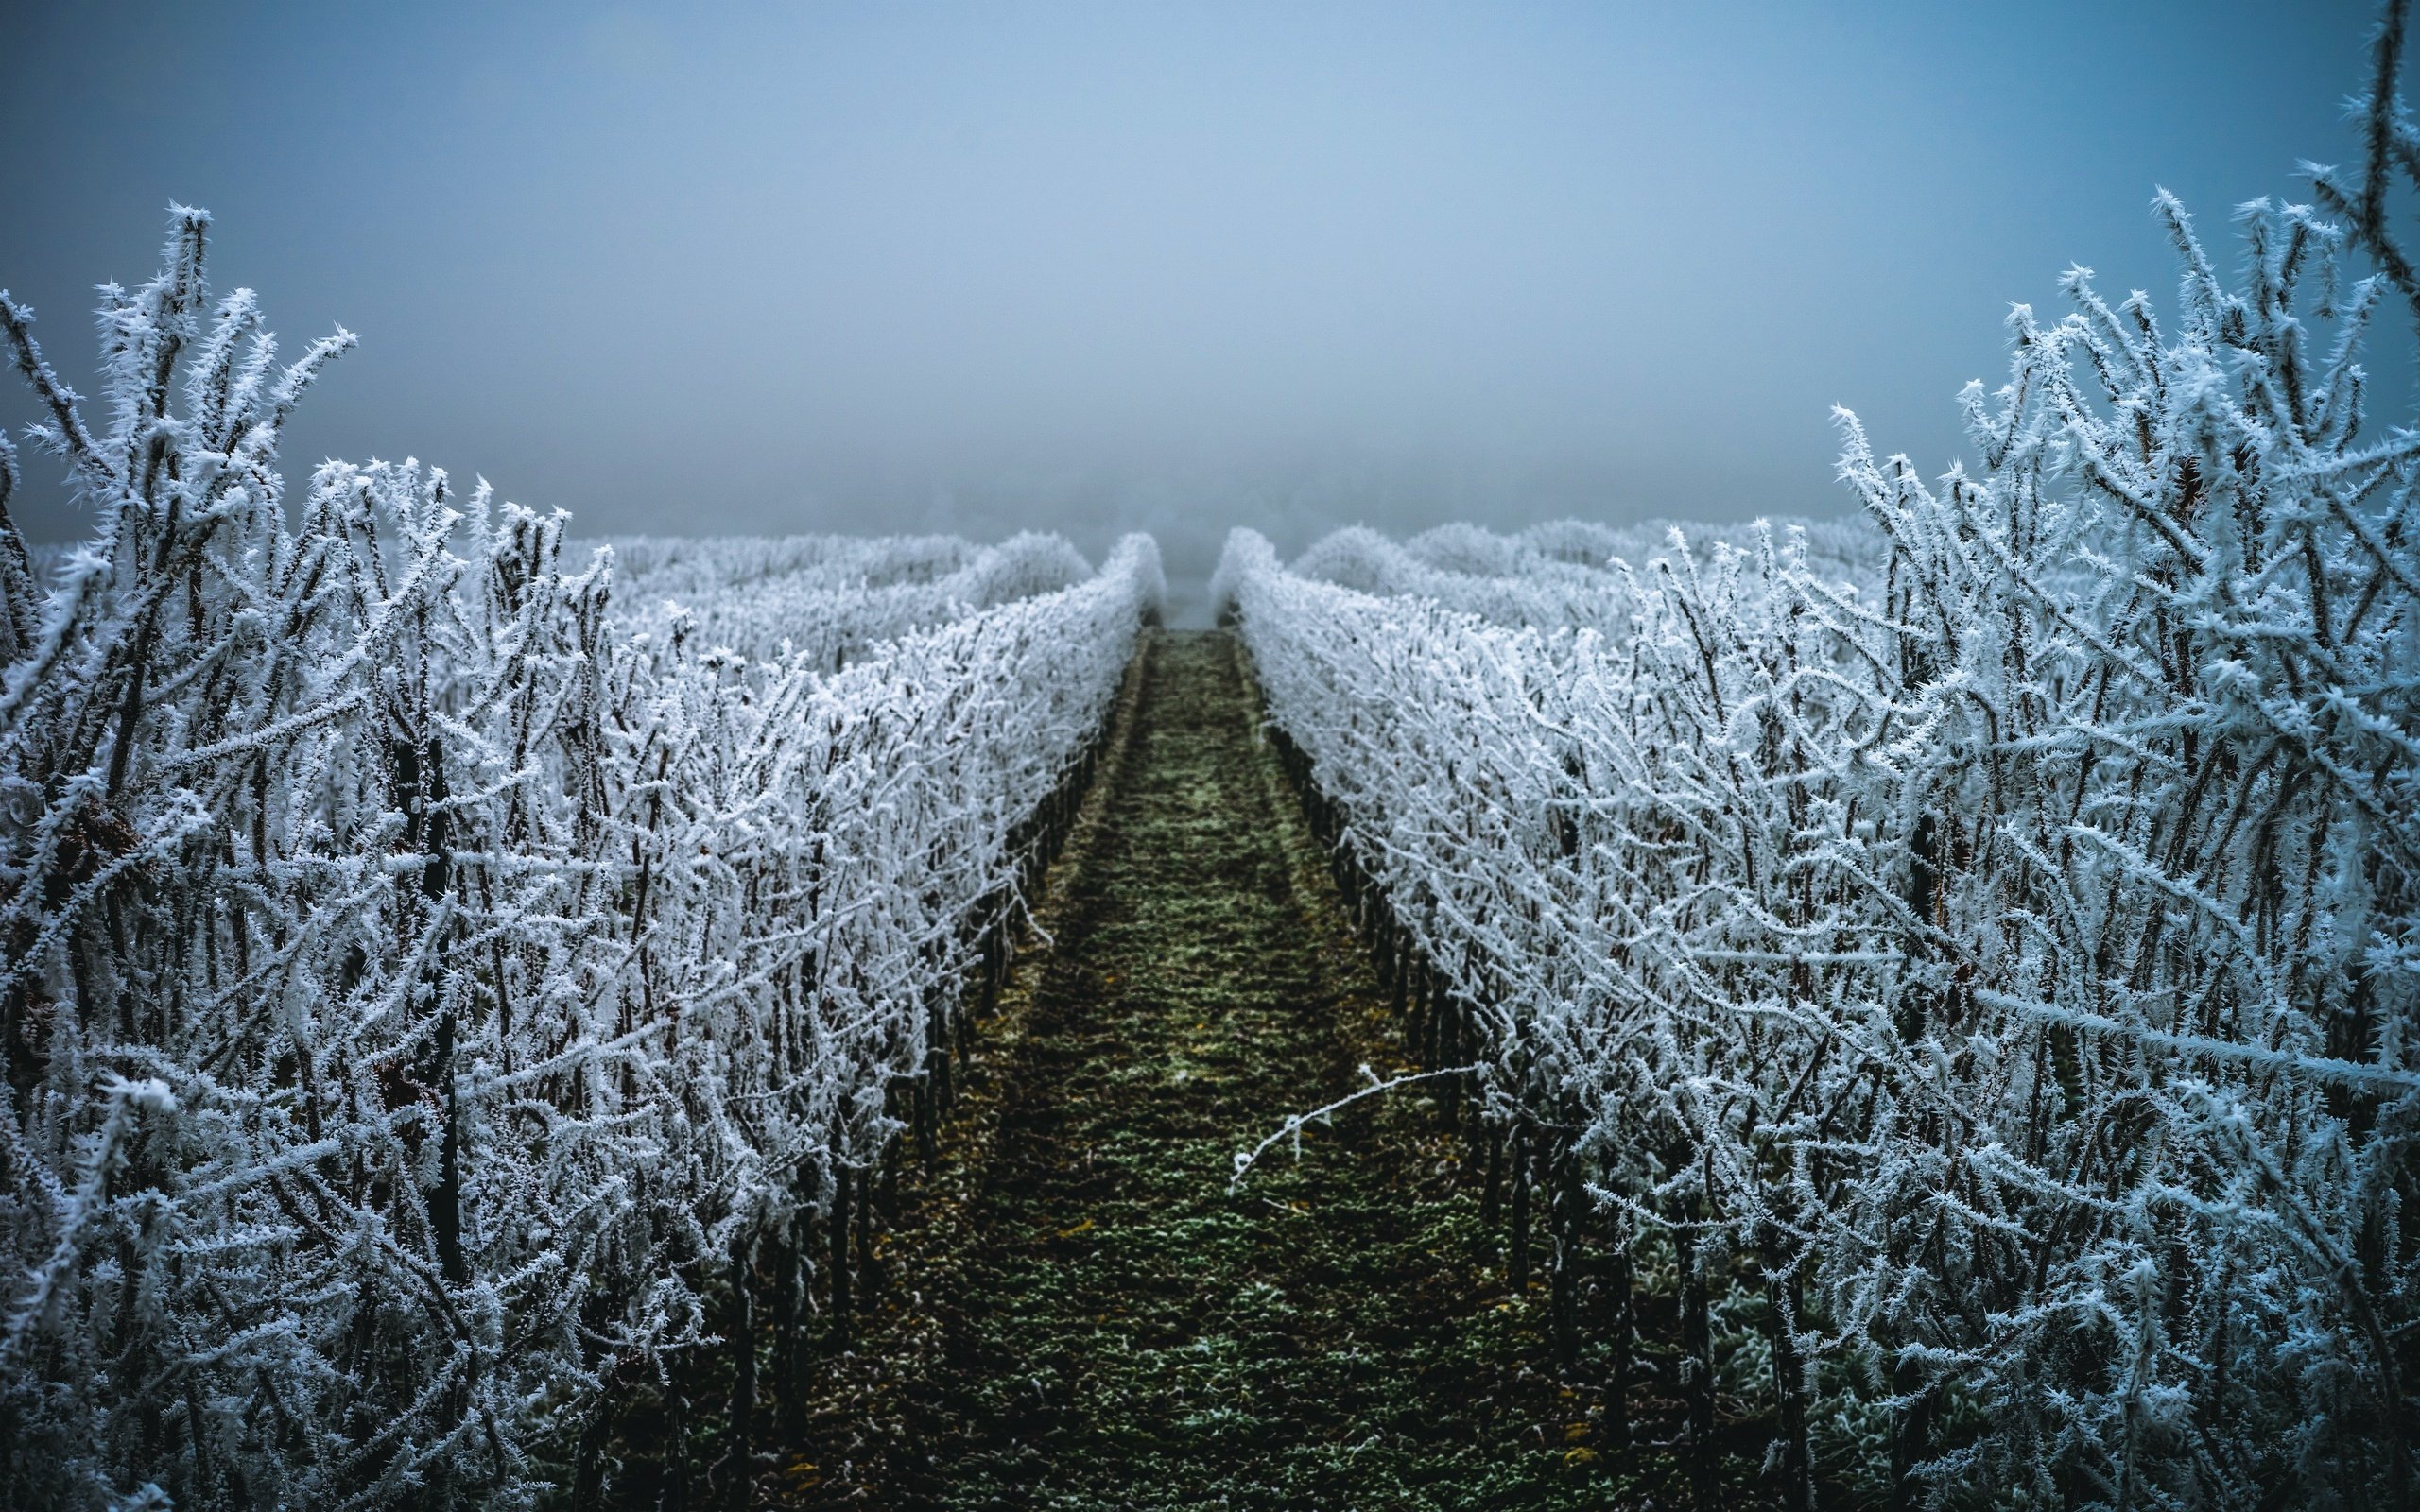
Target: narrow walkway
x=1102, y=1324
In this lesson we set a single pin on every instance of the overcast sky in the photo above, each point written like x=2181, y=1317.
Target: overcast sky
x=858, y=267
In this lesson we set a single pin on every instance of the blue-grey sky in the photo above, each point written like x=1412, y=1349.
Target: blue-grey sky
x=860, y=266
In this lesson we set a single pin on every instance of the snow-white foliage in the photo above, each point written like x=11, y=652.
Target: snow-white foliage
x=836, y=610
x=650, y=567
x=1564, y=574
x=1536, y=550
x=2015, y=952
x=416, y=987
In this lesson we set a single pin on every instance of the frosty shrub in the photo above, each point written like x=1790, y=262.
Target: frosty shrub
x=2003, y=960
x=429, y=1006
x=1565, y=575
x=850, y=603
x=647, y=568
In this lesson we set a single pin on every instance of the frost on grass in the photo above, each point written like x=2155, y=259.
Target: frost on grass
x=425, y=969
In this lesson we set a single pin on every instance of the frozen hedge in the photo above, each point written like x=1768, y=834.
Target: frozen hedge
x=2002, y=961
x=835, y=609
x=422, y=997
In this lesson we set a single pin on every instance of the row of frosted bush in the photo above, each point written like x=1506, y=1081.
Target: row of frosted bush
x=646, y=568
x=1557, y=575
x=2001, y=964
x=848, y=600
x=433, y=1010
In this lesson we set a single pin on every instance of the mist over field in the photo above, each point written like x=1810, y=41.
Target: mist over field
x=1094, y=268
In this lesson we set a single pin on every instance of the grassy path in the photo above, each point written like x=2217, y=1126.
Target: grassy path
x=1102, y=1323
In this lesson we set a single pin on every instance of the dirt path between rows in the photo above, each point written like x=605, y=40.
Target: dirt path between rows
x=1080, y=1314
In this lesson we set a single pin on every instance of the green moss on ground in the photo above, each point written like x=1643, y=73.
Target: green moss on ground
x=1084, y=1316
